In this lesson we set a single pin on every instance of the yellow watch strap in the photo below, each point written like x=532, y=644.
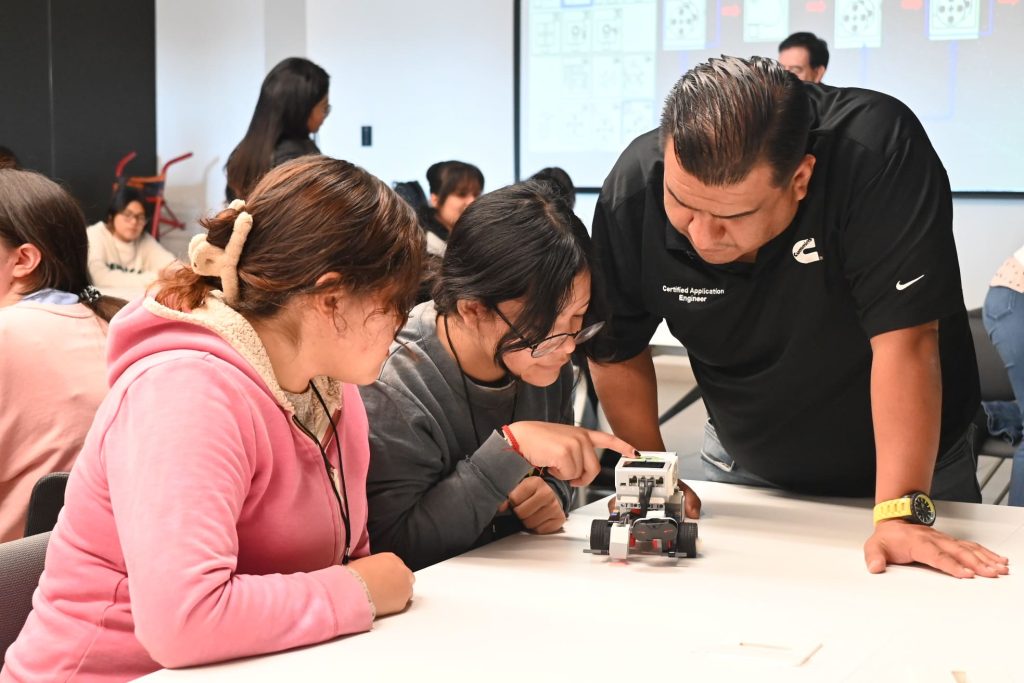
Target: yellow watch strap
x=892, y=509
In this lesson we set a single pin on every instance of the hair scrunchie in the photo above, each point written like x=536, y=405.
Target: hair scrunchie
x=89, y=295
x=210, y=260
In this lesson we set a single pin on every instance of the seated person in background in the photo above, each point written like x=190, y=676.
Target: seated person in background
x=293, y=104
x=218, y=508
x=805, y=55
x=560, y=180
x=1003, y=316
x=478, y=389
x=121, y=252
x=454, y=185
x=53, y=331
x=8, y=158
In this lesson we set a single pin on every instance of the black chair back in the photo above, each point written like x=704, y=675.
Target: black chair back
x=45, y=503
x=995, y=382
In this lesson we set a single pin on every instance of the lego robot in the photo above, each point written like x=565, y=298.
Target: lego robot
x=649, y=515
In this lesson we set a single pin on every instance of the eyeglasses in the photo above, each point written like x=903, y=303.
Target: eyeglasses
x=133, y=217
x=549, y=344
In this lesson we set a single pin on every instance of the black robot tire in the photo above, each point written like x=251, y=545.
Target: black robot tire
x=686, y=539
x=600, y=535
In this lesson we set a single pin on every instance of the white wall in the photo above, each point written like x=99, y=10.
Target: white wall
x=434, y=79
x=209, y=66
x=284, y=31
x=987, y=231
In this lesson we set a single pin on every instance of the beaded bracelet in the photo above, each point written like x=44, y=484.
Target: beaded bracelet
x=510, y=439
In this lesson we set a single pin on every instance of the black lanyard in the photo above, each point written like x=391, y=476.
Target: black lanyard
x=342, y=501
x=465, y=388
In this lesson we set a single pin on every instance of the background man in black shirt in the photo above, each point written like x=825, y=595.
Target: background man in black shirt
x=806, y=55
x=797, y=239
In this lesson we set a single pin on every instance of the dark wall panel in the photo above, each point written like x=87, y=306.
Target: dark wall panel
x=78, y=90
x=25, y=82
x=104, y=83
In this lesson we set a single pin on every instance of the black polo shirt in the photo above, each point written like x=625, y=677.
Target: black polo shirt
x=781, y=347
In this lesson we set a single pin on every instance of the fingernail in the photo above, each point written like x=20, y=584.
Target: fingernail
x=968, y=572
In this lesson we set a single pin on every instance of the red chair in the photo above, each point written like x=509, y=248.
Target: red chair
x=152, y=190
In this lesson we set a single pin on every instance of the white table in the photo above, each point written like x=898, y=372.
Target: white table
x=664, y=343
x=775, y=571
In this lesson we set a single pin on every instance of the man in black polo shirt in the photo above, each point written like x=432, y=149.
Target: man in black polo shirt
x=797, y=239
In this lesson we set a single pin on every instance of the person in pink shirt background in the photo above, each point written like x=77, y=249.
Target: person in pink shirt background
x=218, y=507
x=53, y=330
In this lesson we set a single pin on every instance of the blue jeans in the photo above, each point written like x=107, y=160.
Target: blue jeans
x=955, y=478
x=1003, y=316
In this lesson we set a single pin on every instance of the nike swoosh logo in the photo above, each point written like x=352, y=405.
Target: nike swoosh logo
x=900, y=286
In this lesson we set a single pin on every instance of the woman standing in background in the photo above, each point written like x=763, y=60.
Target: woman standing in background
x=293, y=104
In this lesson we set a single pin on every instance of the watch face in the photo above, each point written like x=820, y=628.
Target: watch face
x=923, y=509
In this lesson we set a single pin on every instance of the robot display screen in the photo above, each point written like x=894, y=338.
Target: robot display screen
x=594, y=73
x=649, y=464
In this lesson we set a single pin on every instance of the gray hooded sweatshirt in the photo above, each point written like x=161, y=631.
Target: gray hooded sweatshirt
x=433, y=492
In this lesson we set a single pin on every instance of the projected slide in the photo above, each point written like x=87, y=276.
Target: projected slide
x=593, y=73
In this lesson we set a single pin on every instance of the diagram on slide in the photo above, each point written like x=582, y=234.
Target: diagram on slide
x=954, y=19
x=858, y=23
x=685, y=25
x=576, y=31
x=765, y=20
x=592, y=74
x=544, y=37
x=637, y=117
x=608, y=29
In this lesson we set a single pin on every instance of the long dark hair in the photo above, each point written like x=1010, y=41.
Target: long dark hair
x=288, y=95
x=35, y=210
x=310, y=216
x=519, y=242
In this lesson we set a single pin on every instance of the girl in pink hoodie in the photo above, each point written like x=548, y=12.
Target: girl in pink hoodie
x=53, y=334
x=218, y=507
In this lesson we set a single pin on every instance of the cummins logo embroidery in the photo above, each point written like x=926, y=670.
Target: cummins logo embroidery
x=804, y=251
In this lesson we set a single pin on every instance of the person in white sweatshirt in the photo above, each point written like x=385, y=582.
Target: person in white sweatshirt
x=121, y=253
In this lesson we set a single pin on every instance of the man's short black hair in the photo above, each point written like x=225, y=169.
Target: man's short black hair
x=728, y=114
x=817, y=49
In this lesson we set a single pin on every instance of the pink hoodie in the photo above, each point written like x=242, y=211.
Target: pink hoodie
x=199, y=524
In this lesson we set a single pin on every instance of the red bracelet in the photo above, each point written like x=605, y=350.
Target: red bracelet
x=507, y=433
